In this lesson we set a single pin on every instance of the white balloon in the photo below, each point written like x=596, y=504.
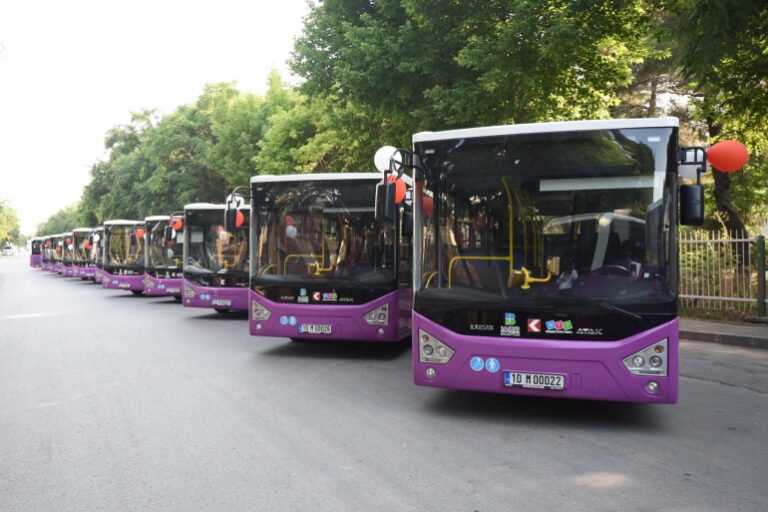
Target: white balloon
x=169, y=253
x=96, y=237
x=291, y=231
x=383, y=156
x=223, y=236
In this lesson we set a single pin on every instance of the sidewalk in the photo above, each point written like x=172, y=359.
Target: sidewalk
x=745, y=335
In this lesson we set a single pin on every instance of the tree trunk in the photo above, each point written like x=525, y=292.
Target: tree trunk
x=728, y=212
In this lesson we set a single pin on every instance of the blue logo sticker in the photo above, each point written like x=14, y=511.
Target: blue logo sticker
x=492, y=364
x=477, y=363
x=292, y=320
x=303, y=292
x=509, y=319
x=550, y=325
x=283, y=320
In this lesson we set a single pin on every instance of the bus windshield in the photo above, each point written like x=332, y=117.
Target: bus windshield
x=35, y=246
x=213, y=251
x=81, y=246
x=321, y=232
x=564, y=220
x=163, y=253
x=68, y=249
x=124, y=248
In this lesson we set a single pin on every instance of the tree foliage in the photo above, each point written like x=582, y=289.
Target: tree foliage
x=9, y=224
x=377, y=72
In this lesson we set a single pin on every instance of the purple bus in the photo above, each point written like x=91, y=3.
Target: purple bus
x=322, y=266
x=82, y=264
x=123, y=267
x=545, y=258
x=57, y=254
x=46, y=248
x=215, y=260
x=97, y=252
x=165, y=253
x=68, y=255
x=36, y=253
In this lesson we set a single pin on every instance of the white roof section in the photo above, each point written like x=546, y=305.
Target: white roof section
x=204, y=206
x=122, y=222
x=153, y=218
x=328, y=176
x=82, y=230
x=561, y=126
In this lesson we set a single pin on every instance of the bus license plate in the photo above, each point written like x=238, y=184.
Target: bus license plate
x=553, y=381
x=315, y=328
x=222, y=302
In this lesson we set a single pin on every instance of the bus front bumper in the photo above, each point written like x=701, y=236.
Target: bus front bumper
x=221, y=298
x=134, y=283
x=592, y=370
x=162, y=286
x=327, y=321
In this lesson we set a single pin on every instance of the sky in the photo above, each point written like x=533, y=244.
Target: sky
x=71, y=70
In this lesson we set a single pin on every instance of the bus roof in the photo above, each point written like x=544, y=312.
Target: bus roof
x=118, y=222
x=82, y=230
x=153, y=218
x=328, y=176
x=204, y=206
x=560, y=126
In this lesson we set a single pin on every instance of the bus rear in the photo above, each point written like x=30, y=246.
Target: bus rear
x=165, y=256
x=68, y=255
x=215, y=260
x=547, y=260
x=124, y=250
x=322, y=266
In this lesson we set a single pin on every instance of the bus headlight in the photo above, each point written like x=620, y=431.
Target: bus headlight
x=649, y=361
x=188, y=291
x=379, y=316
x=259, y=312
x=432, y=350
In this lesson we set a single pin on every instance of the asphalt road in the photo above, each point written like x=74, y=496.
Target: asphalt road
x=113, y=402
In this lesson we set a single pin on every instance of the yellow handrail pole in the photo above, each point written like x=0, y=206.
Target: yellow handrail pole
x=510, y=210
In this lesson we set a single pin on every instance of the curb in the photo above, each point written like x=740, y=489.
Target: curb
x=725, y=339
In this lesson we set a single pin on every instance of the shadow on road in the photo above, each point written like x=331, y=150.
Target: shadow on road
x=539, y=410
x=332, y=349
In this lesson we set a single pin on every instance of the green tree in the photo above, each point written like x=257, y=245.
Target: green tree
x=62, y=221
x=9, y=225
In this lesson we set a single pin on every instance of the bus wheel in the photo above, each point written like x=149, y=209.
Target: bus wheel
x=221, y=310
x=177, y=298
x=137, y=292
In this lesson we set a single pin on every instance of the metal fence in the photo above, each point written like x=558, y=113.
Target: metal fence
x=724, y=271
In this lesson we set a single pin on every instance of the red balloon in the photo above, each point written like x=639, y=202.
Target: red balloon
x=239, y=219
x=177, y=224
x=399, y=188
x=289, y=220
x=139, y=233
x=86, y=245
x=728, y=155
x=58, y=249
x=427, y=205
x=69, y=241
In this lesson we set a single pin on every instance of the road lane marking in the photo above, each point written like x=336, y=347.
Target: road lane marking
x=29, y=315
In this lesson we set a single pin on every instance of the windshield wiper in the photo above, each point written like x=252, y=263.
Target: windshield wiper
x=617, y=309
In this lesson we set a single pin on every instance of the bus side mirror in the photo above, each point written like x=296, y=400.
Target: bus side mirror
x=231, y=220
x=691, y=205
x=407, y=224
x=169, y=234
x=385, y=207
